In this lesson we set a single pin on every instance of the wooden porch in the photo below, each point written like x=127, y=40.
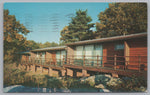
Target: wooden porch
x=105, y=64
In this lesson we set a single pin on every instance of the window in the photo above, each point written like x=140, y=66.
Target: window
x=63, y=52
x=119, y=47
x=58, y=55
x=88, y=51
x=79, y=52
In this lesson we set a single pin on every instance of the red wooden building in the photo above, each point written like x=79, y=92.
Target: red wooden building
x=50, y=55
x=126, y=52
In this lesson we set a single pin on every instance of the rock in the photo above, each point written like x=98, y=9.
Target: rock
x=101, y=79
x=104, y=90
x=59, y=78
x=100, y=86
x=90, y=80
x=50, y=91
x=143, y=89
x=44, y=89
x=107, y=75
x=114, y=81
x=82, y=79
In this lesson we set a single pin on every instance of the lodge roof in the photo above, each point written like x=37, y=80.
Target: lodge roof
x=50, y=48
x=24, y=53
x=109, y=39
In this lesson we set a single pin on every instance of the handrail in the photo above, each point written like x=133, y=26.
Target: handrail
x=115, y=62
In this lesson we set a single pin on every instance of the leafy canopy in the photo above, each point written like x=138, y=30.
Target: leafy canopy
x=14, y=40
x=122, y=18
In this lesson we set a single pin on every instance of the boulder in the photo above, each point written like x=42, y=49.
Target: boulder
x=104, y=90
x=100, y=86
x=143, y=89
x=114, y=81
x=107, y=75
x=101, y=79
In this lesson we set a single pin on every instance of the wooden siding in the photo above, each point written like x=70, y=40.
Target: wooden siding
x=33, y=54
x=54, y=57
x=126, y=52
x=138, y=47
x=109, y=52
x=25, y=58
x=48, y=56
x=70, y=52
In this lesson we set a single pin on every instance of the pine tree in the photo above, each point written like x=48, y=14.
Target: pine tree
x=78, y=29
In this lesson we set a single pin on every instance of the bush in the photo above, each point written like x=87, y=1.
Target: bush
x=54, y=83
x=133, y=84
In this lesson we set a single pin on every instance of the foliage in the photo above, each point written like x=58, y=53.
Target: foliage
x=54, y=83
x=122, y=18
x=65, y=35
x=47, y=44
x=75, y=83
x=133, y=84
x=32, y=45
x=14, y=40
x=35, y=45
x=78, y=29
x=14, y=76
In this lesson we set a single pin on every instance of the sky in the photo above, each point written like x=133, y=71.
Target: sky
x=46, y=20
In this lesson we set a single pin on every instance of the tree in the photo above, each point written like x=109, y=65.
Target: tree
x=47, y=44
x=122, y=18
x=78, y=29
x=53, y=44
x=32, y=45
x=14, y=40
x=65, y=35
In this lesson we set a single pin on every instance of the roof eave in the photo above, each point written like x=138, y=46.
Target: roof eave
x=49, y=49
x=108, y=39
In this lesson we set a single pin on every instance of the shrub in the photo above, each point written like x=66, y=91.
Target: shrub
x=133, y=84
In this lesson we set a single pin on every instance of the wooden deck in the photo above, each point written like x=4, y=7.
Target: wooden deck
x=129, y=73
x=114, y=65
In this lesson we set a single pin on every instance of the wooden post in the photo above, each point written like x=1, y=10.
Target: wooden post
x=69, y=60
x=102, y=61
x=72, y=59
x=40, y=61
x=26, y=59
x=83, y=60
x=63, y=60
x=139, y=63
x=50, y=71
x=50, y=62
x=56, y=62
x=97, y=60
x=125, y=63
x=115, y=61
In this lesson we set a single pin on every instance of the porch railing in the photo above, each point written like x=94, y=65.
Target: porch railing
x=113, y=62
